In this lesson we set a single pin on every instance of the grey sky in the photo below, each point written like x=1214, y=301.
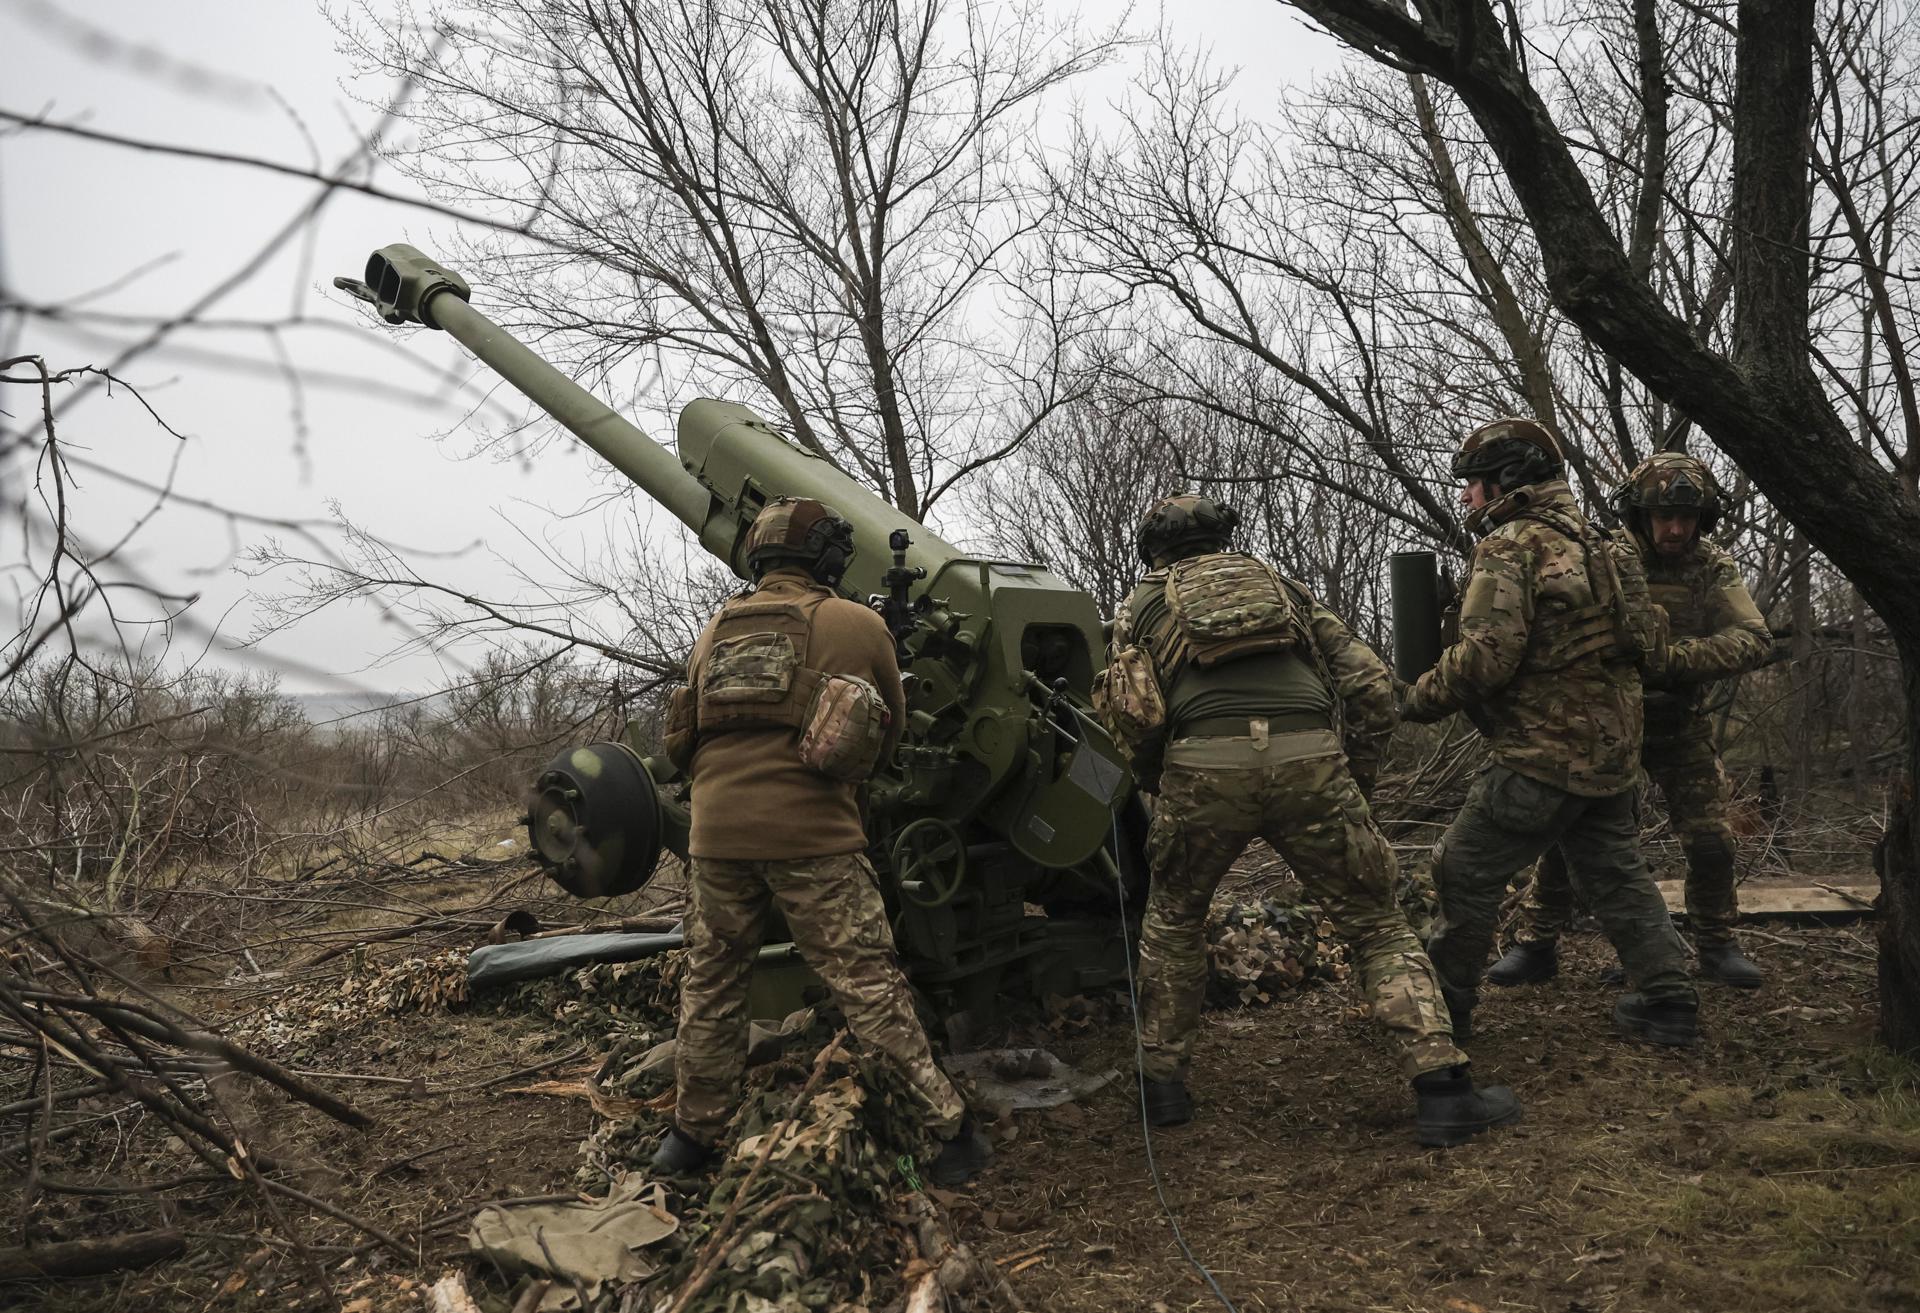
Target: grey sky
x=263, y=78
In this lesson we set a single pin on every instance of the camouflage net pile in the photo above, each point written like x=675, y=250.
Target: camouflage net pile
x=821, y=1226
x=1259, y=949
x=608, y=1001
x=309, y=1018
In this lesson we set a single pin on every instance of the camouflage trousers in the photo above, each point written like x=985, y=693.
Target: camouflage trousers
x=1216, y=795
x=833, y=908
x=1508, y=822
x=1688, y=773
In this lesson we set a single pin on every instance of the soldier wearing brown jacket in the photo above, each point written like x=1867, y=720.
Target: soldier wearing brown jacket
x=770, y=831
x=1549, y=656
x=1669, y=503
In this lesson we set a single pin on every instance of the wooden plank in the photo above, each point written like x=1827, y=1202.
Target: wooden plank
x=1787, y=899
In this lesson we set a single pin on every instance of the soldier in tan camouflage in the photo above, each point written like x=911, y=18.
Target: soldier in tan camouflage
x=1669, y=503
x=1251, y=680
x=1549, y=663
x=769, y=833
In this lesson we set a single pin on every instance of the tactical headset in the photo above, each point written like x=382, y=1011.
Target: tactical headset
x=826, y=549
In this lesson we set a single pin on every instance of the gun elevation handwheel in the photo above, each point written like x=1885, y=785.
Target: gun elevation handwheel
x=929, y=861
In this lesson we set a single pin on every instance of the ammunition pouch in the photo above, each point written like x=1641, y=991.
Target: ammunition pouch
x=845, y=726
x=1128, y=699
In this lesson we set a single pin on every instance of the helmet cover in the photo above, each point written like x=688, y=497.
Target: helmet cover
x=1182, y=526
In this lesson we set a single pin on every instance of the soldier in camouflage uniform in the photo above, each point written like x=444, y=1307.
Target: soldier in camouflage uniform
x=1543, y=666
x=1669, y=503
x=1255, y=678
x=769, y=832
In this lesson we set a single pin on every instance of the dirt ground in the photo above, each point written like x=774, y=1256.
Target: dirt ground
x=1772, y=1168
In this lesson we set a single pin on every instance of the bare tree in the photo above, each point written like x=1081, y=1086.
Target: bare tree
x=814, y=202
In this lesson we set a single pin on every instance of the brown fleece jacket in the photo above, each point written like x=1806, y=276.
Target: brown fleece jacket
x=752, y=799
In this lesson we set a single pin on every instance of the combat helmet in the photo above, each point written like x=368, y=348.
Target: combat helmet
x=1182, y=525
x=799, y=531
x=1511, y=453
x=1669, y=481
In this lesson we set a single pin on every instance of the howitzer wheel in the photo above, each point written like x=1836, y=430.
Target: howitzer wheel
x=593, y=821
x=929, y=861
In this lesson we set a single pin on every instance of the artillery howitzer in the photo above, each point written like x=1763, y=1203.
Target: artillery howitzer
x=1005, y=793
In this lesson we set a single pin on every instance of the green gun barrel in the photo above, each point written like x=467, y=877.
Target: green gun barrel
x=731, y=461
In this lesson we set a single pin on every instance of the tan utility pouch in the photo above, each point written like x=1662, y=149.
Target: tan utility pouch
x=683, y=729
x=1226, y=606
x=846, y=724
x=1128, y=700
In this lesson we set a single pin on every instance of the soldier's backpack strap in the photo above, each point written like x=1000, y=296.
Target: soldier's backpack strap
x=756, y=674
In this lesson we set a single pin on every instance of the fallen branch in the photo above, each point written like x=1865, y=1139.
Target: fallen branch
x=632, y=925
x=90, y=1258
x=956, y=1268
x=1846, y=895
x=151, y=1025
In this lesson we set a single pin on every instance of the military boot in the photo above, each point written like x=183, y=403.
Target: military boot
x=680, y=1154
x=1728, y=965
x=1460, y=1008
x=1167, y=1102
x=1674, y=1022
x=961, y=1158
x=1528, y=962
x=1451, y=1111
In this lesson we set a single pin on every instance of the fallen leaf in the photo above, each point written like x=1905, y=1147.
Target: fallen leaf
x=1025, y=1254
x=1601, y=1256
x=559, y=1089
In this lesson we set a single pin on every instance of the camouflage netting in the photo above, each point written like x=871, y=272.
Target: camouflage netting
x=822, y=1226
x=607, y=1001
x=1259, y=949
x=309, y=1018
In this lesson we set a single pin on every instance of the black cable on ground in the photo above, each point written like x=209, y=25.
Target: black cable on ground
x=1140, y=1085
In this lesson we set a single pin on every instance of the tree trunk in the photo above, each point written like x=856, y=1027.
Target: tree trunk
x=1859, y=677
x=1800, y=711
x=1897, y=861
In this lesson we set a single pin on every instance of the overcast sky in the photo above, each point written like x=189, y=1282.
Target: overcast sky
x=375, y=427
